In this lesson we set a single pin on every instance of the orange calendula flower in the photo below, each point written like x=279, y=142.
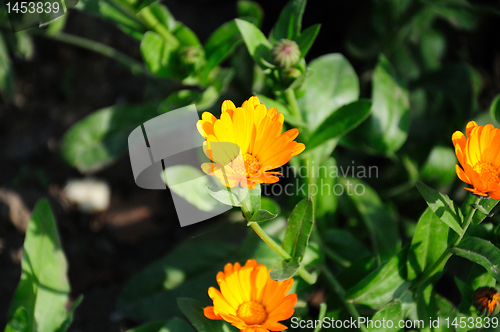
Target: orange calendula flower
x=256, y=143
x=479, y=155
x=250, y=300
x=485, y=299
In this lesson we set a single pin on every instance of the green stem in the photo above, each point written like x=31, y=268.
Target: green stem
x=438, y=265
x=337, y=287
x=309, y=278
x=302, y=272
x=293, y=104
x=335, y=257
x=154, y=24
x=133, y=65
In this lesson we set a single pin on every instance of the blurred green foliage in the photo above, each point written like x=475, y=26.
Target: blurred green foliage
x=376, y=256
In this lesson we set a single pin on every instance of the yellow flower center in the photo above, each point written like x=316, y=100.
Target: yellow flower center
x=488, y=172
x=251, y=165
x=252, y=313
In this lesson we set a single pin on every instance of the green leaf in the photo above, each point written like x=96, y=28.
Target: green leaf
x=481, y=252
x=225, y=196
x=252, y=198
x=193, y=310
x=290, y=21
x=160, y=56
x=176, y=325
x=495, y=109
x=270, y=205
x=345, y=245
x=6, y=73
x=263, y=215
x=268, y=210
x=380, y=223
x=334, y=84
x=149, y=327
x=428, y=244
x=382, y=285
x=307, y=38
x=326, y=202
x=339, y=123
x=257, y=44
x=299, y=229
x=102, y=137
x=120, y=13
x=164, y=16
x=393, y=312
x=69, y=316
x=188, y=270
x=440, y=166
x=386, y=129
x=185, y=35
x=144, y=3
x=442, y=206
x=187, y=181
x=44, y=287
x=283, y=270
x=220, y=45
x=487, y=204
x=250, y=10
x=454, y=81
x=19, y=321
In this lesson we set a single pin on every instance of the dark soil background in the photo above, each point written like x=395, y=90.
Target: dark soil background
x=62, y=84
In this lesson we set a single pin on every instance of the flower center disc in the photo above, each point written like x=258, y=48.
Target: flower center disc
x=487, y=172
x=252, y=164
x=252, y=313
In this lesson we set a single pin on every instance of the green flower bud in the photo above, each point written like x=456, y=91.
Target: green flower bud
x=285, y=53
x=192, y=55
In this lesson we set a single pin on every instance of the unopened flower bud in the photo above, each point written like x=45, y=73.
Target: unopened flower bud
x=192, y=55
x=285, y=53
x=291, y=73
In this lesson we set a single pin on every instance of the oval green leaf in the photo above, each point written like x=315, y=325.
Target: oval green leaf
x=334, y=84
x=442, y=206
x=299, y=229
x=481, y=252
x=339, y=123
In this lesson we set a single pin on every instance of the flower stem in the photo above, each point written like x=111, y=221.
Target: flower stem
x=438, y=265
x=337, y=287
x=293, y=104
x=302, y=272
x=153, y=23
x=133, y=65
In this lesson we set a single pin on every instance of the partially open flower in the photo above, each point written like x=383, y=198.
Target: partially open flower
x=250, y=300
x=479, y=156
x=246, y=143
x=485, y=299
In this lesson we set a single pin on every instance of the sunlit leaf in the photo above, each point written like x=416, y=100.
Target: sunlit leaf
x=428, y=244
x=481, y=252
x=44, y=288
x=102, y=137
x=442, y=206
x=339, y=123
x=334, y=84
x=299, y=229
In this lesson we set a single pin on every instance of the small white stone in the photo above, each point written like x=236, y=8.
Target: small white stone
x=89, y=195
